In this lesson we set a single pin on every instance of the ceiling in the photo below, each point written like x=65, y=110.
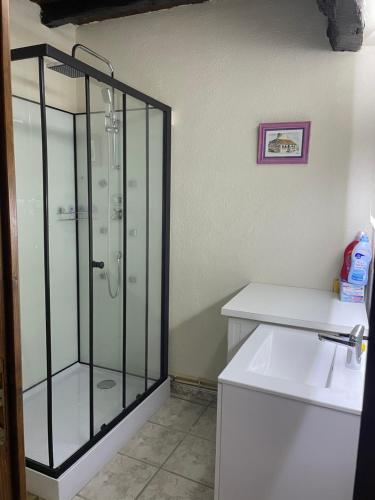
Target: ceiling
x=346, y=23
x=345, y=17
x=59, y=12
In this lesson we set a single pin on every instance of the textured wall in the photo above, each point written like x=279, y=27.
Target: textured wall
x=225, y=66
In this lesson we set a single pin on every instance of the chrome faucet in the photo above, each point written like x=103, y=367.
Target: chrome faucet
x=354, y=343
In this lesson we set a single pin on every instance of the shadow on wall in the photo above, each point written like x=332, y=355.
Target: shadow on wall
x=198, y=346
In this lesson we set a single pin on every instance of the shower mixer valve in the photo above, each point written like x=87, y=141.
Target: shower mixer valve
x=116, y=213
x=98, y=264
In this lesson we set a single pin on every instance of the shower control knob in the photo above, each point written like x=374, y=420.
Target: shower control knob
x=99, y=264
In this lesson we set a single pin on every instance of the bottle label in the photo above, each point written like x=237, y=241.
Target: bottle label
x=358, y=276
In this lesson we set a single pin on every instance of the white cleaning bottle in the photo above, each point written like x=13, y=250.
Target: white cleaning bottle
x=361, y=258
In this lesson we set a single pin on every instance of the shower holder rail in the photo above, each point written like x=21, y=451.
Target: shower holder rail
x=70, y=214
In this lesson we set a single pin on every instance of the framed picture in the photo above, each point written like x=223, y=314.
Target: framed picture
x=284, y=143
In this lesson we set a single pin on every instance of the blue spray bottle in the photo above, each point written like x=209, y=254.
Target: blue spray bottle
x=361, y=258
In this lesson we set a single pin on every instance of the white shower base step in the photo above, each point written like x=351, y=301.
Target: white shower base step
x=71, y=410
x=70, y=430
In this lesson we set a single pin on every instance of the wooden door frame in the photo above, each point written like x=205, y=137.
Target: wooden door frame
x=12, y=457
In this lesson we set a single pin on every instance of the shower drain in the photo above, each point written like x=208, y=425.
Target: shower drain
x=106, y=384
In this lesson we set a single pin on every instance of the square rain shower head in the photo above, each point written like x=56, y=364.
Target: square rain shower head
x=65, y=69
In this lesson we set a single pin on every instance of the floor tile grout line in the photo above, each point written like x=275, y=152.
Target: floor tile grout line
x=191, y=431
x=201, y=437
x=148, y=482
x=176, y=429
x=160, y=467
x=203, y=407
x=172, y=429
x=185, y=433
x=205, y=404
x=141, y=460
x=174, y=449
x=151, y=463
x=207, y=485
x=196, y=421
x=167, y=427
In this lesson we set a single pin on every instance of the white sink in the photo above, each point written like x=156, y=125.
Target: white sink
x=288, y=419
x=296, y=364
x=292, y=355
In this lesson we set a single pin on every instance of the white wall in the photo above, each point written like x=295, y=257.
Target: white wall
x=224, y=67
x=26, y=29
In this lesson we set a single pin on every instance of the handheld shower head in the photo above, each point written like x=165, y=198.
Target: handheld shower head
x=107, y=95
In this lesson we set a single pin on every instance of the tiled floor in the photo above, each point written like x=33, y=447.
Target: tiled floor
x=172, y=457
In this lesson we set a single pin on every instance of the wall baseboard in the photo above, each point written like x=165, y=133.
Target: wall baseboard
x=197, y=382
x=193, y=390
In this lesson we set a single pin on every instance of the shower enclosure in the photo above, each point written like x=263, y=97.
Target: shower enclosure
x=93, y=179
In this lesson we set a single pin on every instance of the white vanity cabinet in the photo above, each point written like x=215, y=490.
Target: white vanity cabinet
x=305, y=308
x=288, y=408
x=275, y=448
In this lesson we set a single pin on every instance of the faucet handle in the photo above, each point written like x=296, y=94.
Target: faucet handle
x=356, y=335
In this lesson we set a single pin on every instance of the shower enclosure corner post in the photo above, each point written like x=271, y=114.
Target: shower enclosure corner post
x=77, y=239
x=147, y=263
x=124, y=245
x=167, y=149
x=90, y=256
x=46, y=260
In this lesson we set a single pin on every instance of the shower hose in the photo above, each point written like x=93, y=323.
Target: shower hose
x=111, y=161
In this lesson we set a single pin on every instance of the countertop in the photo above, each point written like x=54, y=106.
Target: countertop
x=312, y=309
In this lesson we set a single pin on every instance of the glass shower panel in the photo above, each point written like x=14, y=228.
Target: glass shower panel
x=29, y=186
x=62, y=239
x=106, y=123
x=136, y=252
x=70, y=382
x=82, y=237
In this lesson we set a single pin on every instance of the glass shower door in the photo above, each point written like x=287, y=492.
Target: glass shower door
x=121, y=298
x=136, y=248
x=107, y=235
x=144, y=209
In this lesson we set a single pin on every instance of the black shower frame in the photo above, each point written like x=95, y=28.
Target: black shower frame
x=39, y=52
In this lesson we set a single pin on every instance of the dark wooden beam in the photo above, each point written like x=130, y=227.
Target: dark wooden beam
x=345, y=23
x=58, y=12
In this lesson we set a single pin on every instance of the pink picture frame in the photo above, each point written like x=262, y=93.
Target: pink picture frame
x=284, y=143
